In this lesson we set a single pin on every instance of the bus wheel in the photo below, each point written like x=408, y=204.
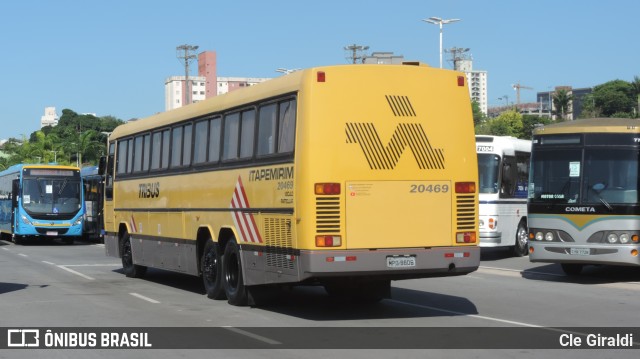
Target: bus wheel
x=16, y=239
x=212, y=271
x=130, y=270
x=571, y=268
x=232, y=275
x=521, y=248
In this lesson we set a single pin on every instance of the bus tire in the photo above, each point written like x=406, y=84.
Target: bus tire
x=233, y=281
x=16, y=239
x=130, y=270
x=521, y=248
x=571, y=268
x=211, y=268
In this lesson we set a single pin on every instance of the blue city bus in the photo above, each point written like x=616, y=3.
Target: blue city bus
x=39, y=201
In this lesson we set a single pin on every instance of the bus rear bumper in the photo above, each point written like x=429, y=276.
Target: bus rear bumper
x=392, y=264
x=564, y=253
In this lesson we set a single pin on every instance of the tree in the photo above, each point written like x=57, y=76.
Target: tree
x=530, y=122
x=509, y=123
x=74, y=134
x=614, y=97
x=478, y=115
x=561, y=101
x=635, y=88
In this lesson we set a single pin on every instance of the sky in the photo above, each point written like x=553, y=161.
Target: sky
x=112, y=57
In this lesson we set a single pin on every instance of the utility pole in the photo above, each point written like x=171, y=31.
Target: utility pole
x=457, y=54
x=187, y=57
x=356, y=52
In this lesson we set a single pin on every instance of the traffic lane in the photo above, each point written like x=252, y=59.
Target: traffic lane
x=427, y=298
x=168, y=298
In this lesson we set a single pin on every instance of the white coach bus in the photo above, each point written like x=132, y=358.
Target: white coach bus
x=503, y=169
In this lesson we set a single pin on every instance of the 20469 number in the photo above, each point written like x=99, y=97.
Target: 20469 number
x=429, y=188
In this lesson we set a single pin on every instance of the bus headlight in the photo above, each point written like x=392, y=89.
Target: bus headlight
x=26, y=220
x=612, y=238
x=78, y=221
x=624, y=238
x=539, y=236
x=548, y=236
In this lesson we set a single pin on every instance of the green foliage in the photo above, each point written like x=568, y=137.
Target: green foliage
x=509, y=123
x=529, y=123
x=76, y=138
x=614, y=97
x=478, y=115
x=561, y=101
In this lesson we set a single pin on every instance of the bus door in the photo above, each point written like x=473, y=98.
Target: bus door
x=15, y=192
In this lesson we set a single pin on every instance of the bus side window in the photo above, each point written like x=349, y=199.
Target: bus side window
x=287, y=126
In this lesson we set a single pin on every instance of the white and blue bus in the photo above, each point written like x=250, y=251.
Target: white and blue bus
x=503, y=172
x=40, y=201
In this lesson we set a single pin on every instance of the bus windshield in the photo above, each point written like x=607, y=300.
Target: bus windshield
x=51, y=195
x=607, y=176
x=488, y=165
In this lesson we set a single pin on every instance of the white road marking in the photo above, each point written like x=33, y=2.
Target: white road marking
x=6, y=249
x=22, y=255
x=94, y=265
x=145, y=298
x=74, y=272
x=465, y=314
x=252, y=335
x=49, y=263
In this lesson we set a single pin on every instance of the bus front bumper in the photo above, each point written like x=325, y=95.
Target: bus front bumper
x=490, y=239
x=601, y=254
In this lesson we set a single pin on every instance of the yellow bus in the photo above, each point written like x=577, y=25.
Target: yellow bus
x=583, y=193
x=343, y=176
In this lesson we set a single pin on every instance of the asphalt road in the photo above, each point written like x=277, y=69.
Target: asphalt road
x=58, y=285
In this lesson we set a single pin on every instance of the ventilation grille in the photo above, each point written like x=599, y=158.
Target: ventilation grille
x=279, y=252
x=327, y=215
x=386, y=157
x=466, y=212
x=401, y=106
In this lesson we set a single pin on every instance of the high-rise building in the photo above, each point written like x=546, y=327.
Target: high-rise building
x=477, y=81
x=50, y=117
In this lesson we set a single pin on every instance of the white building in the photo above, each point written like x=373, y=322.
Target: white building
x=174, y=95
x=174, y=88
x=477, y=81
x=228, y=84
x=50, y=117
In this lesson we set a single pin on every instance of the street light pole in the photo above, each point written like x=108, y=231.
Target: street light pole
x=439, y=21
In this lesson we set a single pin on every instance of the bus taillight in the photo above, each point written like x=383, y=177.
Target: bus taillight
x=460, y=80
x=465, y=187
x=328, y=241
x=466, y=237
x=327, y=188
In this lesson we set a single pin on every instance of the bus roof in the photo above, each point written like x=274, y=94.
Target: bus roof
x=20, y=166
x=593, y=125
x=278, y=86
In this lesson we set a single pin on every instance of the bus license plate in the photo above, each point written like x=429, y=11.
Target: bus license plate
x=401, y=261
x=580, y=251
x=52, y=233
